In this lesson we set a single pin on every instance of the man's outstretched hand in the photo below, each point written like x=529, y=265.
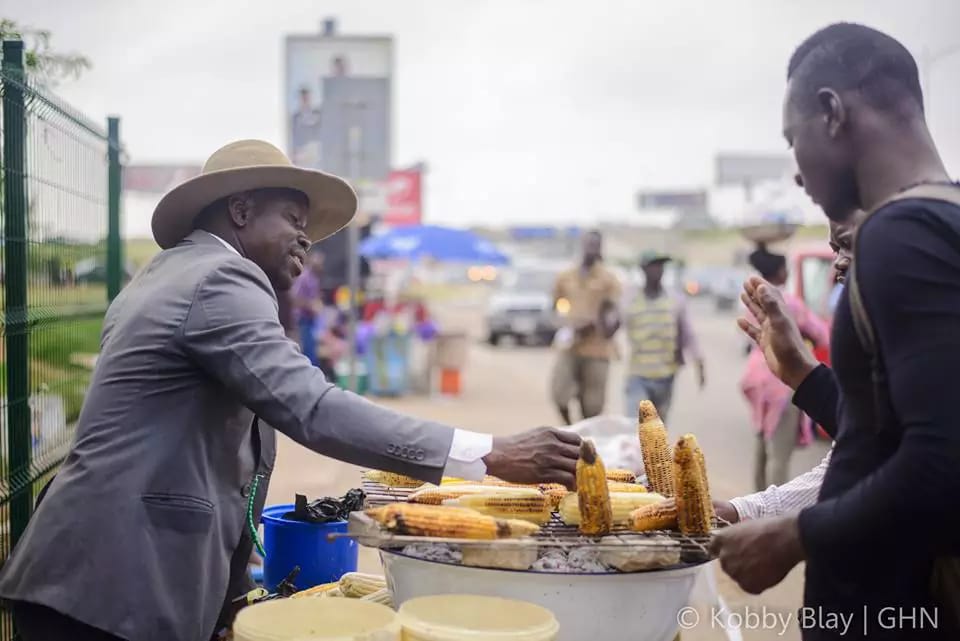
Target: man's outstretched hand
x=541, y=455
x=758, y=554
x=775, y=332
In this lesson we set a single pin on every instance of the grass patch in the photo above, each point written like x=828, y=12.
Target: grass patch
x=51, y=347
x=139, y=251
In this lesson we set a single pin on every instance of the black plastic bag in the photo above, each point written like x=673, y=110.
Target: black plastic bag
x=327, y=509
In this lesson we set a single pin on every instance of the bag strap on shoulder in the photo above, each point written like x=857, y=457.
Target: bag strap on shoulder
x=945, y=192
x=945, y=578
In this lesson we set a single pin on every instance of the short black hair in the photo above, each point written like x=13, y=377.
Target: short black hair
x=767, y=263
x=847, y=56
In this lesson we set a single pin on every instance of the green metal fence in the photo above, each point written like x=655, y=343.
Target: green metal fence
x=61, y=260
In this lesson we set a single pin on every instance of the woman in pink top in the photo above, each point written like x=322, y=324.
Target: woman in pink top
x=780, y=425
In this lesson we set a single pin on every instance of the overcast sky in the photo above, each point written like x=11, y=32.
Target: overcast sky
x=525, y=110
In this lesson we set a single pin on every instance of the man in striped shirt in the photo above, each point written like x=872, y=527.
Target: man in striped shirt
x=660, y=337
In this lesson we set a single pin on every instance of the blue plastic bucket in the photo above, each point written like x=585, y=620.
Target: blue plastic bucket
x=289, y=543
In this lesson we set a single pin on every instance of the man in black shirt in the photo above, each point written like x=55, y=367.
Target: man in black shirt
x=888, y=506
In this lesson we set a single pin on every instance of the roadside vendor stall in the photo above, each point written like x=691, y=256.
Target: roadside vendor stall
x=619, y=555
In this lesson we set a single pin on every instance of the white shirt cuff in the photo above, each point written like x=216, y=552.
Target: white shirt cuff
x=467, y=450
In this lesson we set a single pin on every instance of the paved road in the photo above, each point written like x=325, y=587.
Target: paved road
x=505, y=389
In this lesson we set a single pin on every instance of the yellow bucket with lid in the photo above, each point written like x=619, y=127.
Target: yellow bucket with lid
x=464, y=617
x=316, y=620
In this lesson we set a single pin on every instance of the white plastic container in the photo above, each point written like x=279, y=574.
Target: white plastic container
x=587, y=606
x=466, y=617
x=316, y=620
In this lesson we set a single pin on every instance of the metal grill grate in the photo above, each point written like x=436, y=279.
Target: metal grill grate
x=555, y=534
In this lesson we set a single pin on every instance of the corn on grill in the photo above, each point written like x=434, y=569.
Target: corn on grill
x=694, y=549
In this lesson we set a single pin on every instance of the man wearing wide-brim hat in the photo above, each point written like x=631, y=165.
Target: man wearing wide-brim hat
x=143, y=533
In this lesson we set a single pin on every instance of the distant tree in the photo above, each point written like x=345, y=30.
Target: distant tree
x=42, y=61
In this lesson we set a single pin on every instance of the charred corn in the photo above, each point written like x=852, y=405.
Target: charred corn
x=694, y=510
x=616, y=486
x=657, y=461
x=315, y=591
x=493, y=480
x=515, y=528
x=437, y=495
x=549, y=487
x=621, y=476
x=657, y=516
x=593, y=497
x=706, y=481
x=622, y=505
x=554, y=496
x=358, y=584
x=532, y=508
x=447, y=522
x=381, y=596
x=487, y=480
x=391, y=479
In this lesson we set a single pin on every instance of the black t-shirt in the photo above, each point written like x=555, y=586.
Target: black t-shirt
x=890, y=501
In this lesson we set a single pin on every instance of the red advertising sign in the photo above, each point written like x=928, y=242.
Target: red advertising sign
x=404, y=205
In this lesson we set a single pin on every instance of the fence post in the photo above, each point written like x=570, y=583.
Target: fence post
x=15, y=287
x=115, y=269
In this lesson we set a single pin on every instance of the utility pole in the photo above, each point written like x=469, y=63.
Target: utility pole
x=354, y=151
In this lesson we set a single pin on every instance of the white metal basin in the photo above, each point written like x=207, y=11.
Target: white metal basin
x=640, y=606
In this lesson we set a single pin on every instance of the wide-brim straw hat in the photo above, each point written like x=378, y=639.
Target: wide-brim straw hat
x=253, y=164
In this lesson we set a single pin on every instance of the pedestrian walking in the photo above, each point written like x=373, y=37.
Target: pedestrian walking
x=660, y=339
x=591, y=294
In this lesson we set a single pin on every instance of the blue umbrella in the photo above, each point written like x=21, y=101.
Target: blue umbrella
x=431, y=241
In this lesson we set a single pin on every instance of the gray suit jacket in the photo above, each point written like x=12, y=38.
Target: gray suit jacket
x=142, y=533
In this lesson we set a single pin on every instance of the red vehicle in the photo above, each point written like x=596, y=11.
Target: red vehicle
x=813, y=278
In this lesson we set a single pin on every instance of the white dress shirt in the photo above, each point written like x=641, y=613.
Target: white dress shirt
x=467, y=450
x=792, y=496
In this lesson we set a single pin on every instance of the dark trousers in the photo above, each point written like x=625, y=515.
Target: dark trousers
x=40, y=623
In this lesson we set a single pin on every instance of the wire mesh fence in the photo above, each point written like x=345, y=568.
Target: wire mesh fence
x=55, y=201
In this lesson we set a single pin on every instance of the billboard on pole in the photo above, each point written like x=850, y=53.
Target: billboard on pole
x=738, y=169
x=404, y=194
x=337, y=108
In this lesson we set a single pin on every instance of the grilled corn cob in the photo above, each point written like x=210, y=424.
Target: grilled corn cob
x=657, y=462
x=487, y=480
x=694, y=511
x=658, y=516
x=437, y=495
x=549, y=487
x=554, y=496
x=493, y=480
x=706, y=482
x=622, y=505
x=593, y=497
x=358, y=584
x=621, y=476
x=533, y=508
x=391, y=479
x=447, y=522
x=616, y=486
x=381, y=596
x=315, y=591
